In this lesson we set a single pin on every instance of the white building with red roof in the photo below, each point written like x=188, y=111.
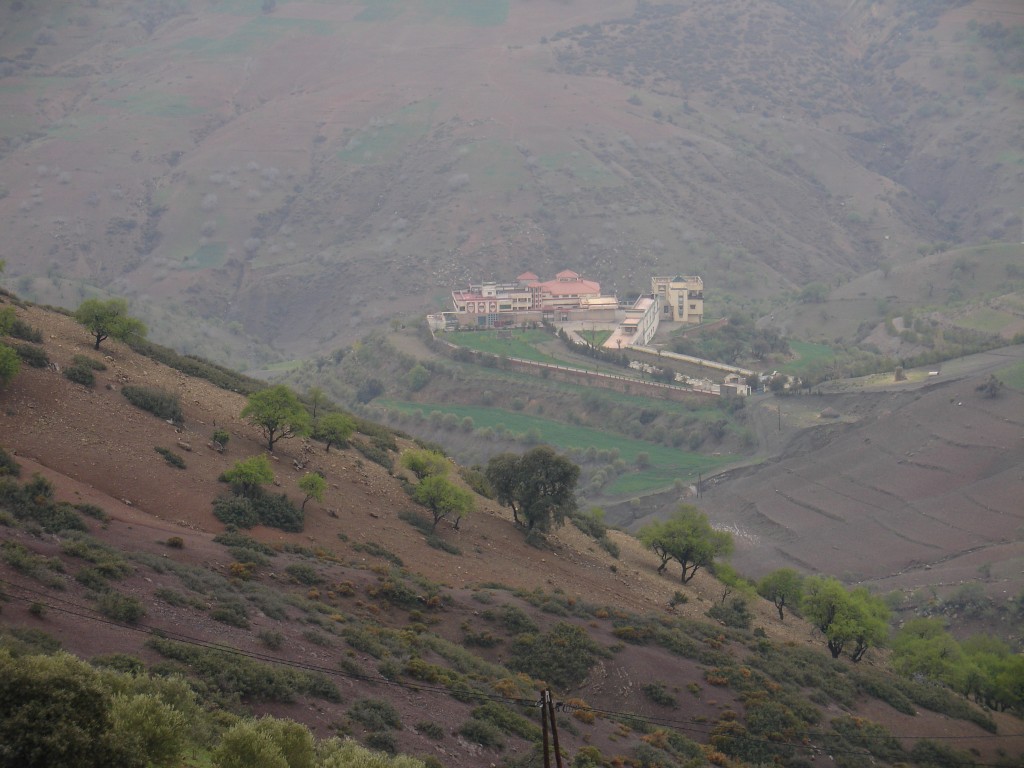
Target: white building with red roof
x=530, y=299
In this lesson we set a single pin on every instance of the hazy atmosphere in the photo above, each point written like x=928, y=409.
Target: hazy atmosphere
x=734, y=286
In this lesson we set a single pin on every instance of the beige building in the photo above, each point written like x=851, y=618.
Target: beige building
x=682, y=298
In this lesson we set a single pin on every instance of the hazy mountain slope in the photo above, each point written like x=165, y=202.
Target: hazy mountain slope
x=287, y=179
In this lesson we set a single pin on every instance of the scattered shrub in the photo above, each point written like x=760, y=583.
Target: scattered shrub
x=304, y=574
x=375, y=714
x=21, y=330
x=372, y=548
x=438, y=543
x=657, y=693
x=232, y=613
x=221, y=437
x=32, y=355
x=84, y=361
x=273, y=640
x=157, y=401
x=175, y=542
x=172, y=458
x=430, y=729
x=484, y=734
x=120, y=607
x=8, y=466
x=80, y=375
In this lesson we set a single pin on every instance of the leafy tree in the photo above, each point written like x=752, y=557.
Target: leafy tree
x=443, y=498
x=424, y=463
x=417, y=378
x=688, y=538
x=54, y=711
x=539, y=486
x=845, y=617
x=783, y=587
x=313, y=485
x=247, y=476
x=7, y=320
x=316, y=398
x=149, y=729
x=991, y=387
x=334, y=429
x=10, y=363
x=110, y=318
x=924, y=647
x=278, y=414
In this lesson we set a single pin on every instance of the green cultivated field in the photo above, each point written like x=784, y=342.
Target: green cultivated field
x=1013, y=377
x=666, y=464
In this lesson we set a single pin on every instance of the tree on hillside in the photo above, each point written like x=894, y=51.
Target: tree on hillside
x=924, y=647
x=334, y=429
x=688, y=538
x=424, y=463
x=248, y=476
x=443, y=498
x=313, y=486
x=783, y=587
x=278, y=413
x=316, y=398
x=539, y=486
x=54, y=711
x=10, y=363
x=110, y=318
x=844, y=617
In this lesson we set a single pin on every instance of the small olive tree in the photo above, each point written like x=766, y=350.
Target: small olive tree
x=108, y=319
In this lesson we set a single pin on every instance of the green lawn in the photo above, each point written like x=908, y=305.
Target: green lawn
x=666, y=464
x=516, y=343
x=1013, y=377
x=808, y=356
x=986, y=320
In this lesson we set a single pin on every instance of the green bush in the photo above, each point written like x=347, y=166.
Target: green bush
x=430, y=729
x=735, y=614
x=235, y=510
x=8, y=466
x=273, y=640
x=375, y=549
x=438, y=543
x=508, y=721
x=416, y=520
x=84, y=361
x=21, y=330
x=32, y=355
x=221, y=436
x=484, y=734
x=517, y=621
x=120, y=607
x=172, y=458
x=157, y=401
x=236, y=539
x=563, y=655
x=375, y=452
x=304, y=574
x=384, y=741
x=80, y=375
x=232, y=613
x=375, y=714
x=658, y=693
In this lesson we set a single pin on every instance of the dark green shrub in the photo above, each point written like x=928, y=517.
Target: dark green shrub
x=120, y=607
x=563, y=655
x=430, y=729
x=438, y=543
x=375, y=549
x=384, y=741
x=32, y=355
x=84, y=361
x=484, y=734
x=658, y=693
x=934, y=755
x=80, y=375
x=417, y=521
x=21, y=330
x=93, y=511
x=221, y=437
x=273, y=640
x=8, y=466
x=277, y=511
x=375, y=714
x=92, y=578
x=235, y=510
x=157, y=401
x=735, y=614
x=172, y=458
x=175, y=542
x=304, y=574
x=508, y=721
x=375, y=453
x=517, y=621
x=235, y=539
x=232, y=613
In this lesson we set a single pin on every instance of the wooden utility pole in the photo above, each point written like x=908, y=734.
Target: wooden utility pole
x=547, y=709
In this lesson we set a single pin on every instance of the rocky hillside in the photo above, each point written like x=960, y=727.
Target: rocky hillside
x=362, y=624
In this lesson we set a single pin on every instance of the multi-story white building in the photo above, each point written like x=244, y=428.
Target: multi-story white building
x=682, y=298
x=567, y=297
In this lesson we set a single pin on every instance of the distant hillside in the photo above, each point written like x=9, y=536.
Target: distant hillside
x=266, y=184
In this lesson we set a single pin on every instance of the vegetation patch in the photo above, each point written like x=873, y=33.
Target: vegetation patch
x=156, y=400
x=172, y=458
